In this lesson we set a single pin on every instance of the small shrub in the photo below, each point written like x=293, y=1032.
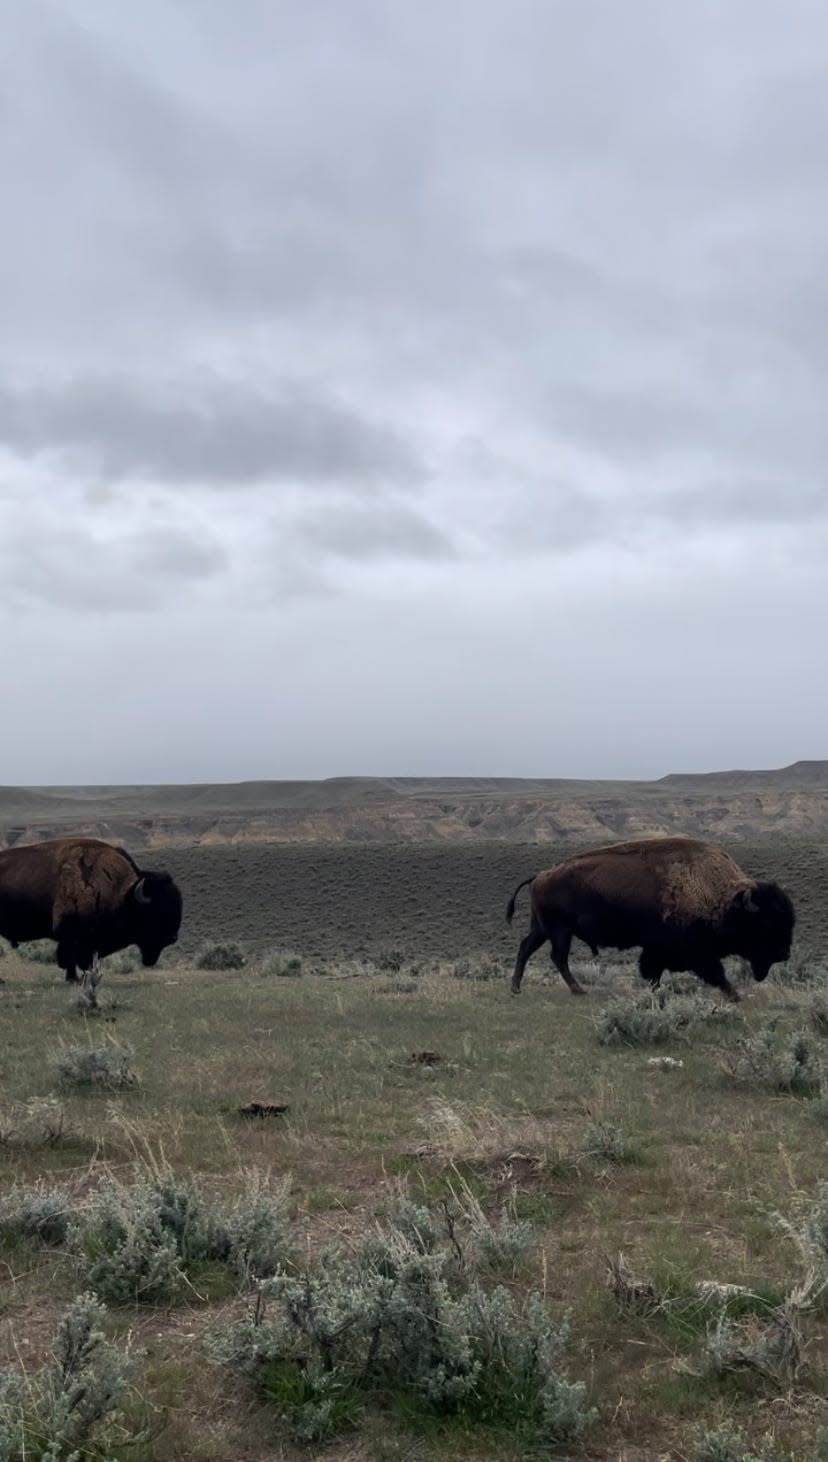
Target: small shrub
x=478, y=967
x=257, y=1229
x=391, y=959
x=281, y=965
x=121, y=963
x=129, y=1256
x=57, y=1413
x=39, y=952
x=220, y=957
x=653, y=1019
x=789, y=1065
x=40, y=1214
x=723, y=1444
x=818, y=1014
x=97, y=1066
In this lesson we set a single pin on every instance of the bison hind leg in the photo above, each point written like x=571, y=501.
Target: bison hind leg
x=531, y=942
x=560, y=937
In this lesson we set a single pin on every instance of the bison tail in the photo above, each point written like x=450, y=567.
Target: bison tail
x=510, y=907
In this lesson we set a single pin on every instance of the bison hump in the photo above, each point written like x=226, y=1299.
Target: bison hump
x=90, y=879
x=698, y=883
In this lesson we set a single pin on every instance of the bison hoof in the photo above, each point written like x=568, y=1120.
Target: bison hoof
x=577, y=990
x=515, y=989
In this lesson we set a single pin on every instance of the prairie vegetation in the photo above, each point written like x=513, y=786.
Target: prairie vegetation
x=447, y=901
x=620, y=1245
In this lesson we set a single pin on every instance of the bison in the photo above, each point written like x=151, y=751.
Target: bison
x=686, y=903
x=90, y=897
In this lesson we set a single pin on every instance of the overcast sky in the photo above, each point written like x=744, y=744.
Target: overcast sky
x=412, y=388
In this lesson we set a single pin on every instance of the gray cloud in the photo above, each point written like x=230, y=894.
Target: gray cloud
x=215, y=432
x=362, y=532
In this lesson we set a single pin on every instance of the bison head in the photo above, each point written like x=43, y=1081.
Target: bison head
x=762, y=921
x=157, y=907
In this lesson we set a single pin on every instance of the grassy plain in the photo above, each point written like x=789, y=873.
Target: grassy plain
x=511, y=1106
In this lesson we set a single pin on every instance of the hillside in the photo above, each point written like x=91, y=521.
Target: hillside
x=791, y=801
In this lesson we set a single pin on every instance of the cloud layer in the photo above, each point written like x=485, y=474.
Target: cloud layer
x=465, y=356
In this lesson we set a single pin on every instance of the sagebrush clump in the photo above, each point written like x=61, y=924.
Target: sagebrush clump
x=403, y=1320
x=40, y=1214
x=281, y=964
x=723, y=1444
x=781, y=1063
x=39, y=952
x=220, y=957
x=652, y=1019
x=56, y=1414
x=97, y=1066
x=141, y=1242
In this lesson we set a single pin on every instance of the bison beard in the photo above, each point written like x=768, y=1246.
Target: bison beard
x=686, y=903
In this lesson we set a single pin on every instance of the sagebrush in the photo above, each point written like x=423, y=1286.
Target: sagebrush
x=404, y=1321
x=59, y=1412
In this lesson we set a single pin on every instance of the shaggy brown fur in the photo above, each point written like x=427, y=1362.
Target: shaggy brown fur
x=685, y=902
x=89, y=896
x=684, y=879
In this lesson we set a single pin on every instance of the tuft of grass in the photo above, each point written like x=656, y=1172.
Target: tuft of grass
x=40, y=1122
x=229, y=956
x=605, y=1141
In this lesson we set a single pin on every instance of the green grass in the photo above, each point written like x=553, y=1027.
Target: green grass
x=521, y=1087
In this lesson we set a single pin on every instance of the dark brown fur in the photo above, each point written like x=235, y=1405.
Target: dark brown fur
x=685, y=902
x=86, y=895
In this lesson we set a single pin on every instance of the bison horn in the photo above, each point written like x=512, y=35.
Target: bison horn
x=141, y=896
x=748, y=902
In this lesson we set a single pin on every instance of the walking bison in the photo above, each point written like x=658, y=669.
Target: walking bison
x=686, y=903
x=90, y=897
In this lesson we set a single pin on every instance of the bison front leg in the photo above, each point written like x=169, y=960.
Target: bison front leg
x=651, y=966
x=532, y=941
x=67, y=961
x=712, y=972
